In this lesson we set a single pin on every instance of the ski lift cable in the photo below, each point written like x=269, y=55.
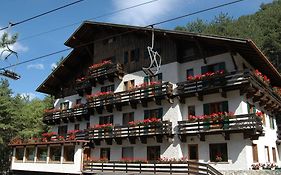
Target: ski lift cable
x=40, y=15
x=123, y=33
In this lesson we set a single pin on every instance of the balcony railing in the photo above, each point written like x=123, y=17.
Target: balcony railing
x=99, y=75
x=118, y=133
x=187, y=167
x=249, y=124
x=225, y=82
x=132, y=97
x=66, y=115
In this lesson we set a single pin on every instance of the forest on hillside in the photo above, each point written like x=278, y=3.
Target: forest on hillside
x=263, y=27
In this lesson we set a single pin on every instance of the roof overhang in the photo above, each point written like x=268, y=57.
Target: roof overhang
x=85, y=34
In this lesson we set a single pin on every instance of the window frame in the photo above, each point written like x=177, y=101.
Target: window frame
x=16, y=154
x=218, y=148
x=38, y=153
x=27, y=153
x=64, y=154
x=51, y=153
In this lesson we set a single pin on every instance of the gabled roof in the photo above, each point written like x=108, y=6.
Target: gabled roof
x=86, y=32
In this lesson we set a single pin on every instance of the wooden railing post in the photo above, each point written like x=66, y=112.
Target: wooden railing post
x=102, y=167
x=170, y=168
x=154, y=168
x=126, y=167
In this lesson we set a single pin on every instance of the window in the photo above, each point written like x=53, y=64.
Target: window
x=129, y=85
x=189, y=72
x=145, y=54
x=126, y=57
x=19, y=153
x=68, y=153
x=210, y=108
x=127, y=153
x=76, y=126
x=109, y=88
x=191, y=110
x=271, y=122
x=42, y=153
x=267, y=156
x=153, y=153
x=64, y=105
x=106, y=119
x=255, y=153
x=218, y=152
x=274, y=155
x=128, y=117
x=62, y=130
x=55, y=153
x=105, y=153
x=213, y=68
x=30, y=153
x=153, y=113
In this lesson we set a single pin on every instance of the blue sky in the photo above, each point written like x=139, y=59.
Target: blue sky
x=34, y=73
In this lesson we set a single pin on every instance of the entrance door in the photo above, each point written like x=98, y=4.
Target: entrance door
x=193, y=156
x=193, y=152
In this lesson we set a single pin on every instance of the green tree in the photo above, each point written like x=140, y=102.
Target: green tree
x=263, y=28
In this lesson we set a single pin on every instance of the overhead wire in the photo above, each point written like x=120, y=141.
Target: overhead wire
x=41, y=14
x=79, y=22
x=123, y=33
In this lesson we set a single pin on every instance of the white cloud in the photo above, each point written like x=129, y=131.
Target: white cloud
x=35, y=66
x=145, y=14
x=54, y=65
x=28, y=95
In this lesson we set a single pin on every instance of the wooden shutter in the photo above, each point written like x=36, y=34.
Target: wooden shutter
x=206, y=109
x=274, y=155
x=255, y=153
x=225, y=106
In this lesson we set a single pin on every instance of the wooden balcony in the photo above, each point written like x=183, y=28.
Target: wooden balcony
x=186, y=167
x=246, y=81
x=108, y=72
x=249, y=124
x=160, y=131
x=67, y=115
x=132, y=97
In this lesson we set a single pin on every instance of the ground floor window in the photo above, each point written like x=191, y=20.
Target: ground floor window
x=42, y=153
x=127, y=153
x=68, y=153
x=19, y=153
x=105, y=153
x=30, y=153
x=218, y=152
x=153, y=153
x=55, y=153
